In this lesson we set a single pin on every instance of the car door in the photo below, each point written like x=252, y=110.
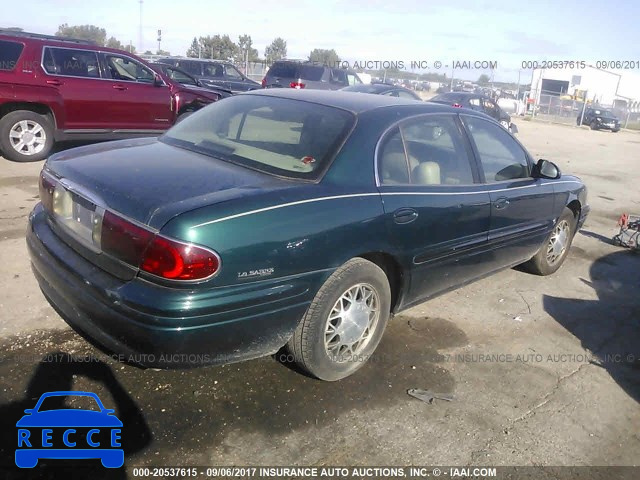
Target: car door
x=235, y=80
x=213, y=74
x=436, y=211
x=76, y=75
x=521, y=206
x=137, y=101
x=491, y=108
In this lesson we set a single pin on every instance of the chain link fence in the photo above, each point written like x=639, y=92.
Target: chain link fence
x=552, y=107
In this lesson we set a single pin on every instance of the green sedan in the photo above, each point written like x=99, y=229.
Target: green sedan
x=289, y=218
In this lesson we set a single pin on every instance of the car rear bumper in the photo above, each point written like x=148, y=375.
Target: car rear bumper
x=162, y=327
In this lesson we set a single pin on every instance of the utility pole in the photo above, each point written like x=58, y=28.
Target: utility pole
x=140, y=30
x=159, y=40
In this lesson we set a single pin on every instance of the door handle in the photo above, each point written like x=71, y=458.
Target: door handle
x=119, y=87
x=502, y=202
x=405, y=215
x=56, y=83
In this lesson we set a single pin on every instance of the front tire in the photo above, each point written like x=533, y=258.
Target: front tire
x=344, y=323
x=555, y=249
x=26, y=136
x=594, y=125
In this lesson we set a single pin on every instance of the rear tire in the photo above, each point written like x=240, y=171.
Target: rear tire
x=344, y=323
x=555, y=249
x=26, y=136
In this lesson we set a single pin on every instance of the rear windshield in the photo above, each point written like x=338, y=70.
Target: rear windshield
x=291, y=70
x=284, y=70
x=448, y=98
x=284, y=137
x=9, y=54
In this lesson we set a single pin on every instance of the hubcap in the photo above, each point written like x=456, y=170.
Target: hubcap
x=27, y=137
x=558, y=242
x=352, y=321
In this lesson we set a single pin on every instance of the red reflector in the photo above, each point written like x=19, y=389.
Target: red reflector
x=46, y=186
x=297, y=85
x=179, y=261
x=264, y=82
x=123, y=239
x=457, y=105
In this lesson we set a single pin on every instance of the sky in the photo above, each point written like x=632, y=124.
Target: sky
x=367, y=30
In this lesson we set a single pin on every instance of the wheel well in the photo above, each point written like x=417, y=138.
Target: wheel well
x=575, y=207
x=190, y=107
x=392, y=270
x=34, y=107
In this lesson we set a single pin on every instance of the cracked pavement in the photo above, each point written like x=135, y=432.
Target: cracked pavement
x=544, y=371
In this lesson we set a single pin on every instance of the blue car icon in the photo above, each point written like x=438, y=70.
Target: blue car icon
x=69, y=433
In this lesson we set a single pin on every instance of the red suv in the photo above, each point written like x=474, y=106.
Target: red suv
x=54, y=89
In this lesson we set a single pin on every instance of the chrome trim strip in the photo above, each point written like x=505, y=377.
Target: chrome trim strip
x=274, y=207
x=354, y=195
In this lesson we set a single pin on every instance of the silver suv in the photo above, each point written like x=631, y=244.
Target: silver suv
x=309, y=75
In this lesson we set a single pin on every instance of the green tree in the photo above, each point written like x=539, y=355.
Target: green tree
x=13, y=29
x=130, y=48
x=216, y=47
x=114, y=43
x=277, y=50
x=148, y=52
x=194, y=49
x=245, y=46
x=483, y=79
x=326, y=57
x=83, y=32
x=163, y=52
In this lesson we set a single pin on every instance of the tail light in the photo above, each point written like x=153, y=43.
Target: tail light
x=456, y=105
x=131, y=243
x=46, y=187
x=299, y=85
x=264, y=82
x=155, y=254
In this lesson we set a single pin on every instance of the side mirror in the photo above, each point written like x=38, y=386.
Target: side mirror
x=546, y=169
x=513, y=128
x=157, y=81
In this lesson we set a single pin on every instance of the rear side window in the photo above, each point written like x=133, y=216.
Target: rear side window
x=194, y=68
x=215, y=70
x=284, y=70
x=448, y=98
x=71, y=62
x=281, y=136
x=427, y=150
x=9, y=54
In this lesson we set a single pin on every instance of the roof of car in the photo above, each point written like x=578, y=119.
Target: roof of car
x=190, y=59
x=353, y=101
x=374, y=87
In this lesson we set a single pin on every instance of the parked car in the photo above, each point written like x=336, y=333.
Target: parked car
x=183, y=78
x=309, y=75
x=599, y=118
x=383, y=89
x=479, y=103
x=214, y=73
x=283, y=217
x=54, y=89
